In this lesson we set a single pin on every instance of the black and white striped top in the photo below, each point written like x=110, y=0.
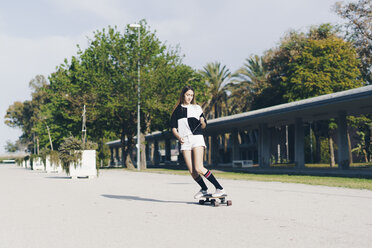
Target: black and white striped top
x=186, y=118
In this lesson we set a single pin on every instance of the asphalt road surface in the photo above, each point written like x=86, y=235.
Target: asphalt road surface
x=136, y=209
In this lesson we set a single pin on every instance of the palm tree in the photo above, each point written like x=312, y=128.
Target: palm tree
x=216, y=77
x=248, y=82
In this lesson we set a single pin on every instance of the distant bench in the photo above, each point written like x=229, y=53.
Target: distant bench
x=242, y=163
x=9, y=161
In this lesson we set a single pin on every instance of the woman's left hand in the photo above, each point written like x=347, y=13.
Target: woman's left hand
x=202, y=122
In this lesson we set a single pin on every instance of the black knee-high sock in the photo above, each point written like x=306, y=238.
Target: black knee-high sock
x=212, y=179
x=201, y=182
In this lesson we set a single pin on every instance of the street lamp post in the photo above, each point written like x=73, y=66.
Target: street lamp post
x=138, y=26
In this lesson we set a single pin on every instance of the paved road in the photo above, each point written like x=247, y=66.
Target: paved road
x=132, y=209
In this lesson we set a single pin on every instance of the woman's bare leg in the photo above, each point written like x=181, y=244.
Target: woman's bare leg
x=198, y=153
x=187, y=156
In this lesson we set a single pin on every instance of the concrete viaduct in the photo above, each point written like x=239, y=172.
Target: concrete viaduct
x=252, y=134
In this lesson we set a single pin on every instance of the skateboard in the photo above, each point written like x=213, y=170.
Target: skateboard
x=213, y=200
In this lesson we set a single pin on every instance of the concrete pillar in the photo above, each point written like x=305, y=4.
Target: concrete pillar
x=291, y=143
x=342, y=143
x=264, y=146
x=214, y=150
x=235, y=145
x=152, y=152
x=299, y=144
x=112, y=156
x=117, y=158
x=167, y=150
x=148, y=157
x=120, y=155
x=156, y=152
x=123, y=157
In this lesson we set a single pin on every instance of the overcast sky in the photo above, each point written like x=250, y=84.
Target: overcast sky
x=36, y=36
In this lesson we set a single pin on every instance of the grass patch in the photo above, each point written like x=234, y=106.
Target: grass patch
x=354, y=183
x=354, y=165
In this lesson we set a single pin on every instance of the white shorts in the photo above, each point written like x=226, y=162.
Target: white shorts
x=192, y=141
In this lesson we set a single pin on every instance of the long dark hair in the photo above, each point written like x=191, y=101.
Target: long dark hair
x=181, y=100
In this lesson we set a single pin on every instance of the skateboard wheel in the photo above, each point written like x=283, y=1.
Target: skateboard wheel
x=201, y=202
x=215, y=204
x=229, y=203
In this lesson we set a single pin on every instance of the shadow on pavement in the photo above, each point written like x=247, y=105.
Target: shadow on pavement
x=180, y=183
x=58, y=177
x=138, y=198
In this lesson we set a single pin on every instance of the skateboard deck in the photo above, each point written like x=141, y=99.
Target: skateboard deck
x=213, y=200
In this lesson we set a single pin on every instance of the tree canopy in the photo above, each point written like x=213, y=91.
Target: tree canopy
x=358, y=30
x=308, y=65
x=104, y=78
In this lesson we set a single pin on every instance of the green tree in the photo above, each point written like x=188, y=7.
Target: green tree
x=40, y=98
x=72, y=87
x=363, y=126
x=308, y=65
x=28, y=115
x=14, y=116
x=358, y=30
x=277, y=61
x=324, y=65
x=104, y=78
x=11, y=147
x=247, y=83
x=216, y=79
